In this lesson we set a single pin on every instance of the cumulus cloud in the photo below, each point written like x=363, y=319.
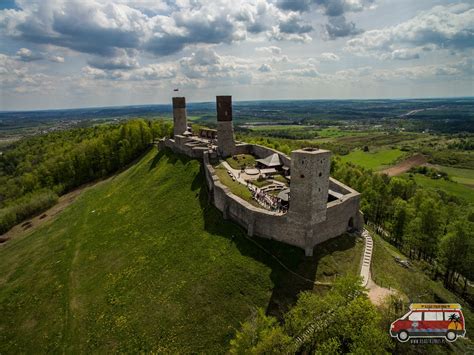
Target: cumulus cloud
x=294, y=5
x=206, y=64
x=305, y=72
x=105, y=28
x=124, y=59
x=339, y=27
x=330, y=7
x=458, y=70
x=148, y=72
x=269, y=50
x=56, y=59
x=15, y=75
x=442, y=27
x=293, y=25
x=26, y=55
x=403, y=54
x=100, y=28
x=265, y=68
x=276, y=34
x=329, y=57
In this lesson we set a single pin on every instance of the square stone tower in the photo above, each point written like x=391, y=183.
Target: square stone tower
x=309, y=184
x=179, y=116
x=225, y=129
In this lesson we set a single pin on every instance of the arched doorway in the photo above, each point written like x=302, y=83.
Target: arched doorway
x=350, y=225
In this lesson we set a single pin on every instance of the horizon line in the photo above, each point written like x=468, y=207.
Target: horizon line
x=255, y=100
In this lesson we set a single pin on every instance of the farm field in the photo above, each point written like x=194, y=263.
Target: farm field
x=327, y=132
x=118, y=272
x=462, y=176
x=373, y=160
x=451, y=187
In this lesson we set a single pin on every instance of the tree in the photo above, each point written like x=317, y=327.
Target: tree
x=260, y=335
x=456, y=252
x=399, y=221
x=343, y=320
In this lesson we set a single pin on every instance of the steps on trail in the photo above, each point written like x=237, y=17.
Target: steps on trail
x=367, y=257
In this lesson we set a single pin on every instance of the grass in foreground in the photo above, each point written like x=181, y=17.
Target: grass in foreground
x=142, y=262
x=416, y=287
x=376, y=160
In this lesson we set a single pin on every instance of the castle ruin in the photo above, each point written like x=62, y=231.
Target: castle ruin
x=320, y=207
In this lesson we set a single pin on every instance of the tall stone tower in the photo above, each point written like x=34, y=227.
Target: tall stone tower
x=225, y=129
x=179, y=116
x=309, y=190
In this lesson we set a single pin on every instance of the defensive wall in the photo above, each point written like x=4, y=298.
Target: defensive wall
x=312, y=218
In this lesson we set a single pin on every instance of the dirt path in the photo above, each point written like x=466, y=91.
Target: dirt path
x=378, y=294
x=404, y=166
x=32, y=224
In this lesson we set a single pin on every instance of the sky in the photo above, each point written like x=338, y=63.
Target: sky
x=84, y=53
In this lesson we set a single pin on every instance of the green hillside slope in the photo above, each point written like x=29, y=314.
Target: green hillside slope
x=143, y=262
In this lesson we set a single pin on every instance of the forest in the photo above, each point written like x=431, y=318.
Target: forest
x=36, y=170
x=430, y=226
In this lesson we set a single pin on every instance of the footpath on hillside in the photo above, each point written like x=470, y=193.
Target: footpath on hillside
x=377, y=294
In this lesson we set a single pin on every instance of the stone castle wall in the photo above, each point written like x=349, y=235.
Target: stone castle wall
x=310, y=219
x=284, y=228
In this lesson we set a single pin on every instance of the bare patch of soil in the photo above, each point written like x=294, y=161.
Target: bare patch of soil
x=378, y=294
x=404, y=166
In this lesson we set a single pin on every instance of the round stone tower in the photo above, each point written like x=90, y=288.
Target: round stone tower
x=309, y=190
x=225, y=129
x=179, y=116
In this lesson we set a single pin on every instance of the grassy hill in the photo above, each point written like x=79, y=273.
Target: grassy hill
x=143, y=262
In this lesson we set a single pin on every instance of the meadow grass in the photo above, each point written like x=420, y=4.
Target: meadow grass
x=143, y=263
x=463, y=176
x=376, y=160
x=451, y=187
x=235, y=187
x=240, y=161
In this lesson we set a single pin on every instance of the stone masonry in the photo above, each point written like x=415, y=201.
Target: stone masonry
x=311, y=219
x=225, y=128
x=179, y=116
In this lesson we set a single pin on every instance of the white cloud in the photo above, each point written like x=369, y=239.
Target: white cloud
x=269, y=50
x=265, y=68
x=27, y=55
x=329, y=57
x=56, y=59
x=450, y=26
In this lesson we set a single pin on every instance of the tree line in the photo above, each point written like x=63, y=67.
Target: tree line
x=428, y=225
x=36, y=170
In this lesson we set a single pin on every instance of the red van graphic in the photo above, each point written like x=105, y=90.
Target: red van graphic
x=430, y=320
